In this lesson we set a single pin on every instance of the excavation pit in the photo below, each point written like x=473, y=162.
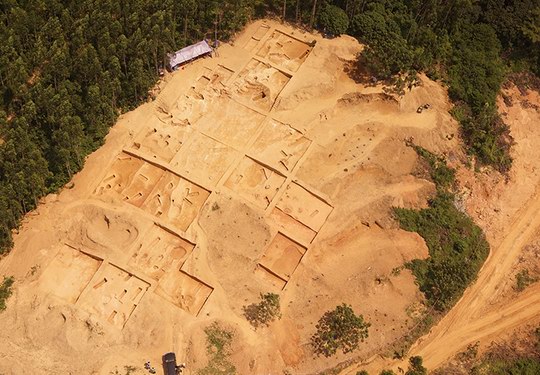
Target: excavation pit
x=69, y=273
x=162, y=142
x=260, y=84
x=280, y=146
x=251, y=44
x=304, y=206
x=233, y=124
x=185, y=291
x=204, y=159
x=283, y=256
x=287, y=223
x=113, y=294
x=159, y=252
x=255, y=182
x=176, y=200
x=285, y=51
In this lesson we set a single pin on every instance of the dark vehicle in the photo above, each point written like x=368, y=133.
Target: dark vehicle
x=169, y=364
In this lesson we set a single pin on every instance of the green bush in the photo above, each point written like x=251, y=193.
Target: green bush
x=522, y=366
x=523, y=280
x=416, y=366
x=5, y=291
x=442, y=175
x=264, y=312
x=457, y=246
x=333, y=20
x=339, y=329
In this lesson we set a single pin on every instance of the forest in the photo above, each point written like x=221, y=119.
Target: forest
x=69, y=68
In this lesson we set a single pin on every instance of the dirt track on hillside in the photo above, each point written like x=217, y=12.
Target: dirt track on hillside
x=484, y=312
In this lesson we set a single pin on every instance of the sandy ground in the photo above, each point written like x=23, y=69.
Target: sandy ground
x=508, y=209
x=266, y=168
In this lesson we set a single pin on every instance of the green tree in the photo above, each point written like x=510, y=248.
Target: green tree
x=5, y=291
x=416, y=366
x=333, y=20
x=264, y=312
x=339, y=329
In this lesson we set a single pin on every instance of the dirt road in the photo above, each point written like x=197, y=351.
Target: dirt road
x=475, y=317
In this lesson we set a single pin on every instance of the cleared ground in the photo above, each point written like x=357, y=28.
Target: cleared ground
x=266, y=169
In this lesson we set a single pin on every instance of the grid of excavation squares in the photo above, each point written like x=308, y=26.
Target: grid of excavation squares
x=256, y=37
x=259, y=84
x=284, y=51
x=279, y=146
x=155, y=190
x=255, y=182
x=282, y=257
x=204, y=159
x=113, y=294
x=231, y=123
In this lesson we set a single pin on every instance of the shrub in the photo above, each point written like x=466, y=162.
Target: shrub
x=522, y=366
x=416, y=366
x=340, y=329
x=523, y=280
x=218, y=342
x=264, y=312
x=5, y=291
x=333, y=20
x=457, y=246
x=442, y=175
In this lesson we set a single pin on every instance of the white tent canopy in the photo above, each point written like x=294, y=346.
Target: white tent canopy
x=189, y=53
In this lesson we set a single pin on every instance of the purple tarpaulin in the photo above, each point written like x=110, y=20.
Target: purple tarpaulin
x=189, y=53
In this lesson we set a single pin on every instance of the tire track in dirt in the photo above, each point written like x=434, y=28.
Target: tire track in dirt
x=470, y=309
x=511, y=315
x=470, y=319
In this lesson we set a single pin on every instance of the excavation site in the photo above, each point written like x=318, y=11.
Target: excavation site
x=271, y=167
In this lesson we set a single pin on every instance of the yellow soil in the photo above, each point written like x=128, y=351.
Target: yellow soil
x=509, y=212
x=265, y=169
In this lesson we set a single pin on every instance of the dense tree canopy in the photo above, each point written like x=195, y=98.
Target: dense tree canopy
x=333, y=20
x=68, y=68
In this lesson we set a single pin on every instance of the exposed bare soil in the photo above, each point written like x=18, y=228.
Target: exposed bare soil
x=508, y=209
x=266, y=169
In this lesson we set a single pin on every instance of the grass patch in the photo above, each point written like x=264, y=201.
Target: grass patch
x=457, y=246
x=5, y=291
x=218, y=348
x=522, y=366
